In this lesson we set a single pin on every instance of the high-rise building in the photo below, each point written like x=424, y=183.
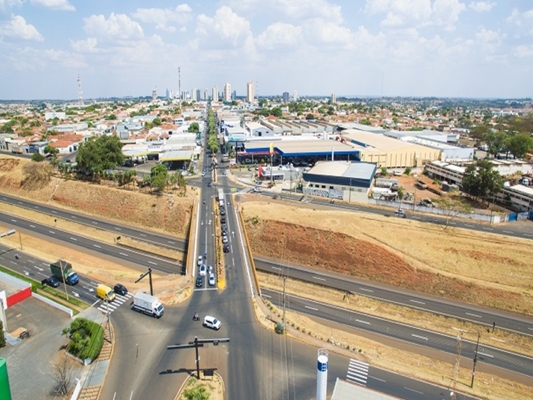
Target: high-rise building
x=198, y=95
x=333, y=98
x=234, y=95
x=285, y=97
x=227, y=92
x=295, y=95
x=214, y=96
x=206, y=97
x=193, y=95
x=250, y=92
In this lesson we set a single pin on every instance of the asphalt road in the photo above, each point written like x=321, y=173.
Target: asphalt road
x=466, y=312
x=102, y=249
x=121, y=230
x=489, y=355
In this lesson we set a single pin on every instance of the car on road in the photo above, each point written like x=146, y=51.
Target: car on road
x=203, y=173
x=212, y=281
x=256, y=190
x=222, y=211
x=225, y=239
x=200, y=260
x=226, y=248
x=400, y=213
x=212, y=322
x=120, y=289
x=51, y=281
x=224, y=226
x=209, y=184
x=209, y=269
x=199, y=281
x=203, y=270
x=224, y=232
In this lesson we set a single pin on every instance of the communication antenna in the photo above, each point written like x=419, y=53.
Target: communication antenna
x=80, y=92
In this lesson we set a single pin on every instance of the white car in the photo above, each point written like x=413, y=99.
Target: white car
x=203, y=270
x=200, y=260
x=212, y=281
x=203, y=173
x=212, y=322
x=224, y=239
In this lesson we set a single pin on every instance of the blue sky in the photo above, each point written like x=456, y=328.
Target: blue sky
x=449, y=48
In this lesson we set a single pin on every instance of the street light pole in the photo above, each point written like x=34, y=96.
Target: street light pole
x=475, y=361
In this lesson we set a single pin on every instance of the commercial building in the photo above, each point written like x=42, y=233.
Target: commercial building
x=285, y=97
x=340, y=180
x=227, y=92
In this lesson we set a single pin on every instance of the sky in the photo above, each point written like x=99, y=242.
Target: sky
x=442, y=48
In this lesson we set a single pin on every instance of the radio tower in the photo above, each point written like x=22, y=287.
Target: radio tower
x=80, y=92
x=179, y=85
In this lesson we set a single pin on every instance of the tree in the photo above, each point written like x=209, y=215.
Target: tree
x=496, y=142
x=519, y=144
x=310, y=117
x=480, y=179
x=37, y=157
x=51, y=150
x=62, y=372
x=452, y=207
x=194, y=127
x=111, y=117
x=276, y=112
x=97, y=155
x=158, y=176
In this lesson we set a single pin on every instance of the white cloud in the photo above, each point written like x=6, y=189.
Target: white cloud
x=303, y=9
x=18, y=28
x=416, y=13
x=66, y=58
x=322, y=31
x=117, y=26
x=162, y=17
x=524, y=51
x=520, y=18
x=4, y=4
x=55, y=4
x=278, y=35
x=85, y=46
x=488, y=39
x=226, y=26
x=481, y=6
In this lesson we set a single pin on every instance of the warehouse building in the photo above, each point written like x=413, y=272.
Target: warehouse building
x=340, y=180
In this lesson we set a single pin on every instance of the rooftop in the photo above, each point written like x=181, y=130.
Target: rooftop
x=345, y=169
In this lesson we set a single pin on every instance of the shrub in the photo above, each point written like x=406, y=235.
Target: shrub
x=2, y=338
x=86, y=338
x=280, y=328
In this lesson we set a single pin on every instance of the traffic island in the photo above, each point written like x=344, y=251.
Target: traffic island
x=209, y=386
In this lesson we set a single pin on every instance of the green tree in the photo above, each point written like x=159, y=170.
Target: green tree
x=51, y=150
x=156, y=122
x=480, y=180
x=159, y=176
x=111, y=117
x=519, y=144
x=276, y=111
x=496, y=142
x=194, y=127
x=365, y=121
x=310, y=117
x=97, y=155
x=37, y=157
x=452, y=205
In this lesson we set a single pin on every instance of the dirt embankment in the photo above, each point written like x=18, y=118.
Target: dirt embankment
x=169, y=214
x=481, y=270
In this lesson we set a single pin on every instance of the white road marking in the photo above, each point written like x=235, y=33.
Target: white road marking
x=171, y=242
x=362, y=322
x=420, y=337
x=94, y=222
x=266, y=295
x=117, y=228
x=32, y=226
x=320, y=279
x=74, y=239
x=278, y=268
x=153, y=263
x=55, y=212
x=311, y=308
x=142, y=234
x=123, y=254
x=474, y=315
x=485, y=354
x=508, y=232
x=366, y=290
x=95, y=245
x=413, y=390
x=52, y=232
x=417, y=301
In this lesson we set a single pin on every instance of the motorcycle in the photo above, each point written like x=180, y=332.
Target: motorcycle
x=196, y=317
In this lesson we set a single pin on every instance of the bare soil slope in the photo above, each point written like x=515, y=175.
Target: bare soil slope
x=164, y=213
x=479, y=268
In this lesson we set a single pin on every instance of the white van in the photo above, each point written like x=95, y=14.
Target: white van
x=212, y=322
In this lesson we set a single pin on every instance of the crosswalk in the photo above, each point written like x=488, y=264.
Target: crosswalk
x=357, y=372
x=112, y=306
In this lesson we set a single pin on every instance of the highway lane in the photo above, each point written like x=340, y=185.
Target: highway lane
x=520, y=324
x=148, y=236
x=489, y=355
x=117, y=252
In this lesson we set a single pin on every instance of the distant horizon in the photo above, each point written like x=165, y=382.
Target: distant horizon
x=469, y=49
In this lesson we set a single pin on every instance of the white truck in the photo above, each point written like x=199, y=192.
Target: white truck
x=147, y=304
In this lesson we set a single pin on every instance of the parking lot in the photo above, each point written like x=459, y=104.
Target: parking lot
x=30, y=361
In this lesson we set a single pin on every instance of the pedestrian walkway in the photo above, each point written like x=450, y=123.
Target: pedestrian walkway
x=357, y=372
x=109, y=307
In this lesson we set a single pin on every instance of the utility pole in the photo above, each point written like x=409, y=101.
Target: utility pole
x=475, y=361
x=149, y=273
x=457, y=365
x=197, y=343
x=284, y=284
x=63, y=277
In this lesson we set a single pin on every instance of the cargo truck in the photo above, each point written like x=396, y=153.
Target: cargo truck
x=147, y=304
x=63, y=271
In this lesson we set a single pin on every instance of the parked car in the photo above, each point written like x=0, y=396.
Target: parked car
x=226, y=248
x=212, y=322
x=212, y=281
x=51, y=281
x=225, y=239
x=199, y=281
x=222, y=211
x=120, y=289
x=203, y=270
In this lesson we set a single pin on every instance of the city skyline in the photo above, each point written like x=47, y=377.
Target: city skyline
x=420, y=48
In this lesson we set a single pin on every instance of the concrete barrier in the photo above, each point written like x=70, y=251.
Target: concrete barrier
x=52, y=303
